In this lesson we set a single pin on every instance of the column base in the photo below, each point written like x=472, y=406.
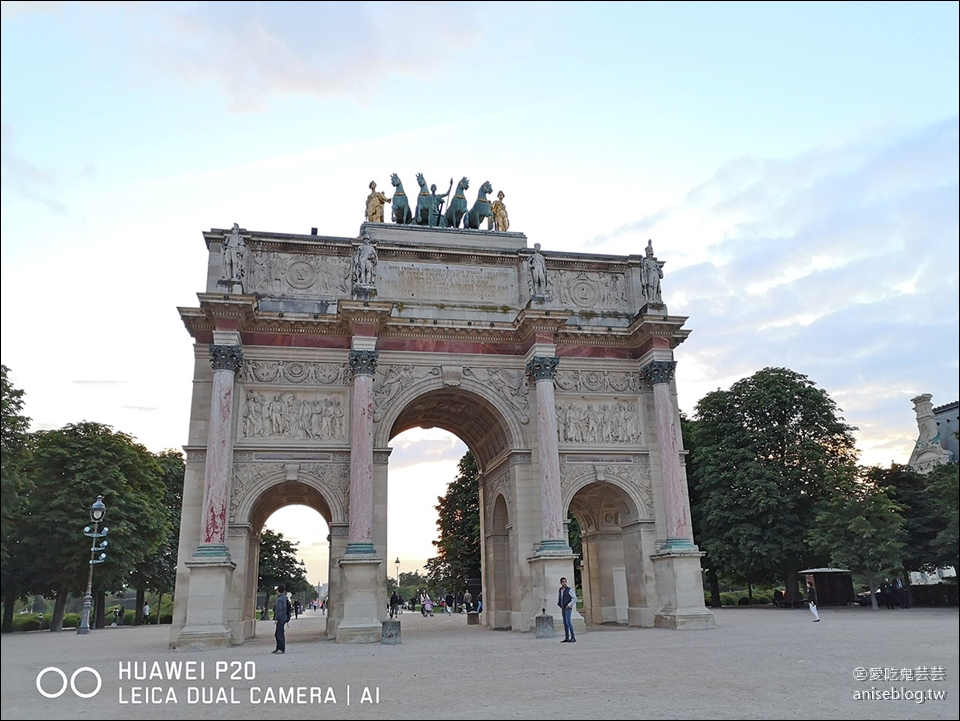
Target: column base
x=547, y=568
x=680, y=591
x=361, y=619
x=207, y=626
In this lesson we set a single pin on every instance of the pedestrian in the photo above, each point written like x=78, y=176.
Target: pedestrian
x=281, y=615
x=812, y=600
x=468, y=600
x=567, y=601
x=395, y=602
x=146, y=613
x=480, y=602
x=449, y=601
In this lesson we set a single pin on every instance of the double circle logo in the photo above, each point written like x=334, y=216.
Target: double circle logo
x=72, y=682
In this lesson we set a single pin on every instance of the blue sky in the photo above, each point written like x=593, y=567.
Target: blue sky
x=795, y=164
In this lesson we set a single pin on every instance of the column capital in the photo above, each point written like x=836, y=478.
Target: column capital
x=543, y=368
x=656, y=372
x=226, y=357
x=364, y=362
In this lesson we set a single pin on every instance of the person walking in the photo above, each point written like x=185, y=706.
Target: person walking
x=812, y=600
x=567, y=601
x=146, y=613
x=281, y=615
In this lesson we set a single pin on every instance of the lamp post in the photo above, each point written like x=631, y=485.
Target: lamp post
x=98, y=512
x=397, y=564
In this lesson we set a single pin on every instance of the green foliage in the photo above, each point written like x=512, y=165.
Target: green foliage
x=69, y=468
x=14, y=452
x=279, y=564
x=158, y=572
x=860, y=527
x=943, y=484
x=764, y=454
x=458, y=548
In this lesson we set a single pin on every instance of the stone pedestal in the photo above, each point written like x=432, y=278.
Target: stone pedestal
x=680, y=587
x=360, y=622
x=473, y=618
x=211, y=572
x=545, y=627
x=546, y=570
x=390, y=633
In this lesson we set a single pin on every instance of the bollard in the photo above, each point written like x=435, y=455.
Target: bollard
x=545, y=625
x=473, y=618
x=390, y=633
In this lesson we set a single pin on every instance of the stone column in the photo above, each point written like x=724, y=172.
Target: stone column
x=210, y=622
x=359, y=621
x=363, y=363
x=679, y=533
x=544, y=370
x=226, y=361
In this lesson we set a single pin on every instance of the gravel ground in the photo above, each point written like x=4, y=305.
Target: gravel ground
x=761, y=663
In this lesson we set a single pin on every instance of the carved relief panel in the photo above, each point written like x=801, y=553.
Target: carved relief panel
x=391, y=380
x=279, y=414
x=591, y=290
x=598, y=420
x=299, y=372
x=511, y=385
x=299, y=275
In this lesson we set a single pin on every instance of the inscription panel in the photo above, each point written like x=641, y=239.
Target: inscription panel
x=448, y=283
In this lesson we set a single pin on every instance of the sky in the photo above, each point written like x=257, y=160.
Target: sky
x=794, y=164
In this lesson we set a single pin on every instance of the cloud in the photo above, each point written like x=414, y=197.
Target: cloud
x=418, y=446
x=98, y=382
x=145, y=409
x=840, y=263
x=325, y=49
x=25, y=179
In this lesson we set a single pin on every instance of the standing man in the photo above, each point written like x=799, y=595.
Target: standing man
x=281, y=614
x=146, y=613
x=567, y=601
x=468, y=600
x=812, y=599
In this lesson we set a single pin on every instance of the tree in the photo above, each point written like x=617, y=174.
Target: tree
x=689, y=432
x=158, y=572
x=279, y=565
x=458, y=548
x=14, y=451
x=944, y=486
x=15, y=566
x=766, y=451
x=69, y=468
x=861, y=528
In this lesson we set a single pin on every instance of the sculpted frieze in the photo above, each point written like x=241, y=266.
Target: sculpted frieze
x=302, y=372
x=245, y=477
x=511, y=385
x=334, y=476
x=613, y=421
x=591, y=290
x=293, y=416
x=633, y=477
x=598, y=381
x=299, y=275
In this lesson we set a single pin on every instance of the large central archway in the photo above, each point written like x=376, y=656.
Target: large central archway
x=556, y=369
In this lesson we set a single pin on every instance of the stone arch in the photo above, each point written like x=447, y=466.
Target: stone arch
x=262, y=490
x=633, y=480
x=500, y=571
x=468, y=409
x=614, y=574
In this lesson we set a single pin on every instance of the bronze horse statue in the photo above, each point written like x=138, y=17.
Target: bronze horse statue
x=401, y=208
x=458, y=206
x=422, y=214
x=480, y=209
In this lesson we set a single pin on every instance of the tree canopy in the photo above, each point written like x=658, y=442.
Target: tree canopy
x=766, y=452
x=279, y=564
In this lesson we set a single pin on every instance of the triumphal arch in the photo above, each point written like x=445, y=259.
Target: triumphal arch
x=555, y=368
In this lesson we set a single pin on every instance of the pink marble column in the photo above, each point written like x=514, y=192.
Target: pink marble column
x=364, y=365
x=226, y=361
x=543, y=370
x=679, y=532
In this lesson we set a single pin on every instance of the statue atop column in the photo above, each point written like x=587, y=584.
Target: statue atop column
x=232, y=252
x=538, y=275
x=365, y=269
x=652, y=273
x=375, y=203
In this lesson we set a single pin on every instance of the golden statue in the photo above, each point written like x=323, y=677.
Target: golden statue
x=375, y=203
x=498, y=219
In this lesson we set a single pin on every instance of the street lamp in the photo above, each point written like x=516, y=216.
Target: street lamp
x=98, y=512
x=397, y=563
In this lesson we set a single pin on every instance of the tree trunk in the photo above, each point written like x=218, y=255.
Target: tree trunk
x=138, y=609
x=792, y=593
x=59, y=607
x=8, y=602
x=714, y=581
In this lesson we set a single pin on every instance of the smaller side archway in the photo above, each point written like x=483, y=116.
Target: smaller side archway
x=500, y=570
